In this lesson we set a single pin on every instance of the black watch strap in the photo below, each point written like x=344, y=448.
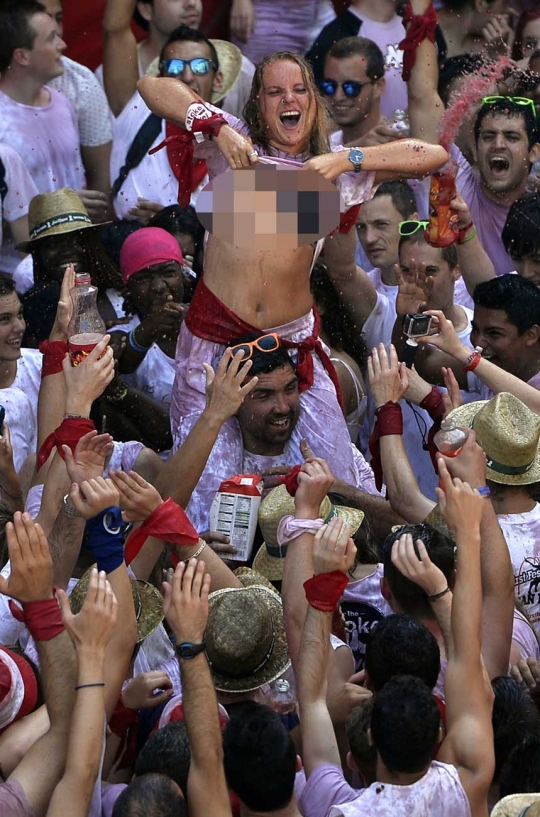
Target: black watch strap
x=189, y=649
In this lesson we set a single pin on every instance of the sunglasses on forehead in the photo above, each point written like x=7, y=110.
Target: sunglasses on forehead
x=517, y=100
x=351, y=88
x=411, y=227
x=266, y=343
x=199, y=66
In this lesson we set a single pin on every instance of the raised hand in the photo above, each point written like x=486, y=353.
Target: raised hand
x=388, y=378
x=186, y=601
x=242, y=19
x=461, y=505
x=65, y=306
x=469, y=464
x=6, y=450
x=94, y=496
x=92, y=627
x=527, y=673
x=414, y=563
x=147, y=690
x=418, y=387
x=87, y=381
x=415, y=288
x=453, y=397
x=88, y=460
x=333, y=548
x=237, y=149
x=31, y=563
x=138, y=498
x=445, y=337
x=226, y=388
x=314, y=481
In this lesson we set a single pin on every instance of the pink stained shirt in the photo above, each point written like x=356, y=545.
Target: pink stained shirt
x=489, y=217
x=13, y=801
x=46, y=139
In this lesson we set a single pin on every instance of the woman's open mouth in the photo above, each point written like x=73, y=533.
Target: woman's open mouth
x=290, y=119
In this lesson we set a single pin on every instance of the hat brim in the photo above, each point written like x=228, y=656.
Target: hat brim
x=464, y=416
x=272, y=566
x=279, y=659
x=513, y=804
x=230, y=65
x=249, y=577
x=26, y=246
x=149, y=616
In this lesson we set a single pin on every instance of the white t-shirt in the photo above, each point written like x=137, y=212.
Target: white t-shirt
x=20, y=187
x=87, y=96
x=522, y=534
x=363, y=606
x=46, y=139
x=154, y=376
x=20, y=401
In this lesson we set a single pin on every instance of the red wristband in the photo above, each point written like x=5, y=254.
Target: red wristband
x=325, y=590
x=122, y=718
x=291, y=480
x=389, y=419
x=420, y=27
x=43, y=618
x=69, y=432
x=169, y=523
x=53, y=354
x=472, y=361
x=433, y=403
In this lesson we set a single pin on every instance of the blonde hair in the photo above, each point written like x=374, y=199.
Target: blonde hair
x=258, y=129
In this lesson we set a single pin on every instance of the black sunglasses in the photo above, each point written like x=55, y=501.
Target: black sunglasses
x=351, y=88
x=199, y=66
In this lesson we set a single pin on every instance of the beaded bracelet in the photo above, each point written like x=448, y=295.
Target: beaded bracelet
x=134, y=345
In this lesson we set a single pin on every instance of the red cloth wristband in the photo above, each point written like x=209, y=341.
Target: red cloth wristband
x=462, y=233
x=473, y=361
x=211, y=126
x=433, y=403
x=43, y=618
x=69, y=432
x=53, y=354
x=122, y=718
x=325, y=590
x=291, y=480
x=168, y=522
x=388, y=420
x=421, y=26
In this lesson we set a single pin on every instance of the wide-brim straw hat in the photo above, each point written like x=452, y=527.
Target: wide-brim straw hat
x=514, y=805
x=278, y=503
x=56, y=213
x=509, y=434
x=147, y=600
x=246, y=643
x=230, y=65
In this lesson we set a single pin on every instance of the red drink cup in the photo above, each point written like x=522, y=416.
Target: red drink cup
x=81, y=345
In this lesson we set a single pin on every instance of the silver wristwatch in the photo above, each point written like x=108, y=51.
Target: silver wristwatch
x=69, y=509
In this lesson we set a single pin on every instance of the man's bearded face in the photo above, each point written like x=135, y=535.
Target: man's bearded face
x=288, y=106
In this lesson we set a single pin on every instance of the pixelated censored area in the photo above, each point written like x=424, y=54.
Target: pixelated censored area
x=269, y=206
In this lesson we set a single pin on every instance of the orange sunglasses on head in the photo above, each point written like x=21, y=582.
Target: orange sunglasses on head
x=266, y=343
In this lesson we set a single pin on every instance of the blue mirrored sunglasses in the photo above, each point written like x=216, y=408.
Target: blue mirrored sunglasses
x=199, y=66
x=351, y=88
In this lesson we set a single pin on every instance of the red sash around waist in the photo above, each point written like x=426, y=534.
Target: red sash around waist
x=210, y=319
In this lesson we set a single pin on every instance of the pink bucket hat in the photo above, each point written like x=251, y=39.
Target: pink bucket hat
x=147, y=247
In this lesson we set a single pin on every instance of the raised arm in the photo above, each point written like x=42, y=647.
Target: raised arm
x=90, y=630
x=352, y=284
x=333, y=555
x=469, y=741
x=120, y=58
x=475, y=264
x=425, y=105
x=186, y=609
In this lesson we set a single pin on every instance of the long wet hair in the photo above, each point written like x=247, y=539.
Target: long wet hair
x=253, y=117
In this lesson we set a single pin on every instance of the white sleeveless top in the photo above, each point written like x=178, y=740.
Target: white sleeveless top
x=438, y=792
x=356, y=417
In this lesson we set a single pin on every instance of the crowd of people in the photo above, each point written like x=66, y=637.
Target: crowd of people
x=270, y=534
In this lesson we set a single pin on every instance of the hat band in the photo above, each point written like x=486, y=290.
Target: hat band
x=509, y=470
x=57, y=221
x=255, y=669
x=332, y=513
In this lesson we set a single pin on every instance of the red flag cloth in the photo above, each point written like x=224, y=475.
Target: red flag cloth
x=42, y=618
x=291, y=480
x=53, y=354
x=69, y=432
x=348, y=219
x=210, y=319
x=168, y=522
x=388, y=420
x=325, y=590
x=420, y=26
x=434, y=405
x=189, y=171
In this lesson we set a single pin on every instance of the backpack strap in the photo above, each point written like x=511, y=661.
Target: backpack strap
x=3, y=182
x=145, y=136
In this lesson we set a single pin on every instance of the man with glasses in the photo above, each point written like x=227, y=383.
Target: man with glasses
x=143, y=184
x=353, y=82
x=507, y=143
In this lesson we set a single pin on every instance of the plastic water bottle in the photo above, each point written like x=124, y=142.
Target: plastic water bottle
x=401, y=123
x=451, y=438
x=282, y=698
x=86, y=327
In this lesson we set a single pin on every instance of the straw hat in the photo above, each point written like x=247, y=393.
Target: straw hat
x=147, y=600
x=509, y=433
x=277, y=504
x=230, y=65
x=516, y=805
x=56, y=213
x=246, y=643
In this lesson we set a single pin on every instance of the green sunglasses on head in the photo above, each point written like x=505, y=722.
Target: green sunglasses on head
x=411, y=227
x=517, y=100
